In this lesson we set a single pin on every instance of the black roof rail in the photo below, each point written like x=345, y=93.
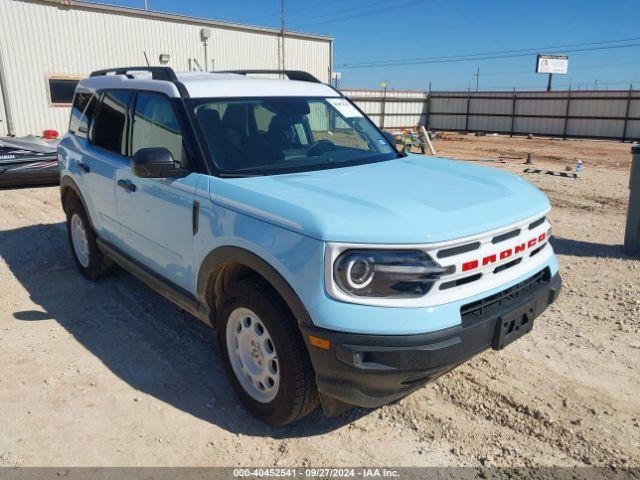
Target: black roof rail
x=157, y=73
x=291, y=74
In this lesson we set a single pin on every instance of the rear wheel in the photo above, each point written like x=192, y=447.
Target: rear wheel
x=264, y=356
x=82, y=240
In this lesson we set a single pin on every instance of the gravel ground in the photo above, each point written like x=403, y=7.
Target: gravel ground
x=113, y=374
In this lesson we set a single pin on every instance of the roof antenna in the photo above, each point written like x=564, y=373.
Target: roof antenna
x=146, y=58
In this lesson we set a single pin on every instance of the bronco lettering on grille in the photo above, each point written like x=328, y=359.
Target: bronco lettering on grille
x=503, y=254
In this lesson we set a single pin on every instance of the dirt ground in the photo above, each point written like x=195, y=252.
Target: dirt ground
x=113, y=374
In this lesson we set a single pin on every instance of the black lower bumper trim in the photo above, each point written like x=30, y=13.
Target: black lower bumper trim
x=371, y=370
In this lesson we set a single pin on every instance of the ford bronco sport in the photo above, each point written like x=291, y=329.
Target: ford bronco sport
x=335, y=269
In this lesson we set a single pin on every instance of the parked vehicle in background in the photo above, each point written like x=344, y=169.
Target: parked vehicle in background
x=335, y=269
x=29, y=160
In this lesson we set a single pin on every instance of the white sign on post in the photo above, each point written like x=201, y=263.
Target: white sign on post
x=556, y=64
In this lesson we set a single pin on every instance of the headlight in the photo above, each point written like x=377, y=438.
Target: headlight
x=386, y=273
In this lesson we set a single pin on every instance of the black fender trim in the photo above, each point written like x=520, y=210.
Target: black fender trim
x=67, y=182
x=244, y=257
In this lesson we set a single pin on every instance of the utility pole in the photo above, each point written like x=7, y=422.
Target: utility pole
x=477, y=78
x=595, y=84
x=4, y=93
x=282, y=67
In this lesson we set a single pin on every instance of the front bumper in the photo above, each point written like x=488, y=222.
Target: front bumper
x=371, y=370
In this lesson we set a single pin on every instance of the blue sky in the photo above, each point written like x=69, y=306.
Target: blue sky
x=385, y=30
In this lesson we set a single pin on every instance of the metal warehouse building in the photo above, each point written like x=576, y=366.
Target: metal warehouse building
x=47, y=46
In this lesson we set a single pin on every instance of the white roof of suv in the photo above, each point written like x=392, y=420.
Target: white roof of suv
x=209, y=85
x=234, y=85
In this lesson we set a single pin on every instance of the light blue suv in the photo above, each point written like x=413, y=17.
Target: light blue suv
x=335, y=269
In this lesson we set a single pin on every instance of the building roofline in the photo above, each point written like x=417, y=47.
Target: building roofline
x=138, y=12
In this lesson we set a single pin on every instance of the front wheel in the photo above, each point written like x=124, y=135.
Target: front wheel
x=82, y=240
x=264, y=356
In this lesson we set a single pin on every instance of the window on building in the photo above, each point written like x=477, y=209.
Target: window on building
x=155, y=125
x=108, y=128
x=61, y=90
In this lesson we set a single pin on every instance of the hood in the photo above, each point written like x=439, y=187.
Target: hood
x=414, y=199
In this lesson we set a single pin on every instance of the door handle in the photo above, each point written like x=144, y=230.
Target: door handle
x=127, y=185
x=84, y=167
x=195, y=217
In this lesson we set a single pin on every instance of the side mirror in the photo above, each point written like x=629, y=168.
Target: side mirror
x=155, y=163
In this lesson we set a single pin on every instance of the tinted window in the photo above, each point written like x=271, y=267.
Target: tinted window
x=155, y=125
x=61, y=90
x=108, y=128
x=82, y=113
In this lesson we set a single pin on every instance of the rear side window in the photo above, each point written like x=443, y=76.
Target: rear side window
x=155, y=125
x=109, y=126
x=82, y=113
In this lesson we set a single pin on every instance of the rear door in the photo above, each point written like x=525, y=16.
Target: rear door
x=102, y=153
x=156, y=214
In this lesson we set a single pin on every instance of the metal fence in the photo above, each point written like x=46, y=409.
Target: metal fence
x=565, y=114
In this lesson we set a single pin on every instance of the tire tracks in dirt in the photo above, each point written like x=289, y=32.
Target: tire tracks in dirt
x=470, y=394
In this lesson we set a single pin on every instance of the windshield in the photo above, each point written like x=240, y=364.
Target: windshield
x=263, y=136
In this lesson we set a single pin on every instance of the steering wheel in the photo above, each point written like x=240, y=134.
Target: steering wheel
x=319, y=147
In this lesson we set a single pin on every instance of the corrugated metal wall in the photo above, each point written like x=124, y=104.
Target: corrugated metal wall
x=400, y=108
x=589, y=114
x=39, y=39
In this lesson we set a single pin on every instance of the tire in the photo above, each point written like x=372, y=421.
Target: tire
x=86, y=254
x=291, y=393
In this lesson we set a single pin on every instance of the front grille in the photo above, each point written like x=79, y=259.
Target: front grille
x=490, y=306
x=450, y=252
x=505, y=236
x=537, y=223
x=538, y=250
x=507, y=265
x=460, y=281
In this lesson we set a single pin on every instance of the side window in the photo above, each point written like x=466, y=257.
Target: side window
x=263, y=117
x=108, y=130
x=155, y=125
x=301, y=133
x=82, y=113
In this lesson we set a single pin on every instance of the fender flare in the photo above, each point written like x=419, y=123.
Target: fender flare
x=67, y=182
x=250, y=260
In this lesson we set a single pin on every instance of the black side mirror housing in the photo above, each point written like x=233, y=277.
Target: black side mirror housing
x=156, y=163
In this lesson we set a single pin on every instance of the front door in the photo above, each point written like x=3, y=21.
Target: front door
x=156, y=214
